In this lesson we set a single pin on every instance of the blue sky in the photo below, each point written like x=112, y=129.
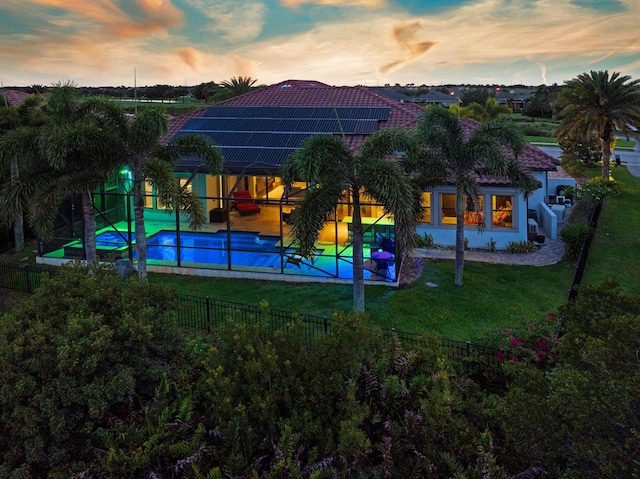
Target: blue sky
x=339, y=42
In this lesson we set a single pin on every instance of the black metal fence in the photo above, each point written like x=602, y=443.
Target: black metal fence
x=23, y=277
x=207, y=314
x=581, y=264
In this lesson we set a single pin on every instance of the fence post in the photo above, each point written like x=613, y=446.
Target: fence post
x=326, y=326
x=25, y=268
x=208, y=314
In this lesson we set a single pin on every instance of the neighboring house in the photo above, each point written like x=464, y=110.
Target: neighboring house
x=12, y=97
x=256, y=132
x=516, y=99
x=431, y=97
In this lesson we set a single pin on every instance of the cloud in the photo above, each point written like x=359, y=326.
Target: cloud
x=235, y=21
x=518, y=41
x=155, y=15
x=406, y=36
x=339, y=3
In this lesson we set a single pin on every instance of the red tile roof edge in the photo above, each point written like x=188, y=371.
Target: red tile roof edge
x=14, y=97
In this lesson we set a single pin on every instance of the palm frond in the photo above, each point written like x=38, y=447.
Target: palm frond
x=321, y=157
x=200, y=147
x=312, y=214
x=193, y=206
x=160, y=174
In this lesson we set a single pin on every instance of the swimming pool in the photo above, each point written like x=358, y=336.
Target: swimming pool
x=246, y=248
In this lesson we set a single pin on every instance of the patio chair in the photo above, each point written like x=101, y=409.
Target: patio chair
x=244, y=204
x=384, y=244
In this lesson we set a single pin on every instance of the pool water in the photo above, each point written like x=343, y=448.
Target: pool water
x=247, y=248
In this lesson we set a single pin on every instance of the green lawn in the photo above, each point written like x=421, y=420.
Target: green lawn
x=493, y=296
x=615, y=253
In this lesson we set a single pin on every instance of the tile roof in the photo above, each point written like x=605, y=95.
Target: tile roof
x=14, y=97
x=532, y=157
x=301, y=93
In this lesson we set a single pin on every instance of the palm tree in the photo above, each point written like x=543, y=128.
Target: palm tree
x=238, y=85
x=449, y=155
x=596, y=104
x=17, y=145
x=81, y=144
x=327, y=162
x=152, y=162
x=491, y=110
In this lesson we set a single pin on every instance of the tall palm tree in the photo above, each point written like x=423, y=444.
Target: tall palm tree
x=81, y=144
x=152, y=162
x=449, y=155
x=327, y=162
x=596, y=104
x=17, y=145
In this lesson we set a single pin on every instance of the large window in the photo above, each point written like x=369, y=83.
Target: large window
x=502, y=211
x=426, y=205
x=471, y=216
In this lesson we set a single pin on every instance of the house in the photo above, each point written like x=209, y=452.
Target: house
x=256, y=132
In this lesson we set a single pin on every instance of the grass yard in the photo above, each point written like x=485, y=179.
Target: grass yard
x=615, y=253
x=493, y=297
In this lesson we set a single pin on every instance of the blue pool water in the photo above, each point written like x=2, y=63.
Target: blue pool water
x=247, y=248
x=111, y=239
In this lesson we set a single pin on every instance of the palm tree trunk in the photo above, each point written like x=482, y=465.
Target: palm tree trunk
x=89, y=217
x=18, y=221
x=605, y=142
x=358, y=260
x=459, y=266
x=141, y=235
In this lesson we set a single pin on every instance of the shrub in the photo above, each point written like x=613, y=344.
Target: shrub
x=573, y=235
x=491, y=245
x=81, y=345
x=520, y=247
x=424, y=241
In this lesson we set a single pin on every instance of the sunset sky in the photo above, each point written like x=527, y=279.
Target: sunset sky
x=339, y=42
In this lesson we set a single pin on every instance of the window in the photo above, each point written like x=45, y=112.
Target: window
x=426, y=204
x=502, y=211
x=149, y=199
x=471, y=217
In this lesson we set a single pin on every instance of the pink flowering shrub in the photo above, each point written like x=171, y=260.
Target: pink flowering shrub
x=536, y=343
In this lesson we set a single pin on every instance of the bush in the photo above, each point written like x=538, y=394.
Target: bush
x=81, y=345
x=520, y=247
x=574, y=235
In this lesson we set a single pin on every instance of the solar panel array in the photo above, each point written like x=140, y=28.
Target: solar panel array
x=268, y=134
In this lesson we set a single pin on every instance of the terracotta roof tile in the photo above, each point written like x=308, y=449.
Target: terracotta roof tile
x=14, y=97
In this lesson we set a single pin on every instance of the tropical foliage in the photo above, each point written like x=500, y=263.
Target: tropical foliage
x=449, y=155
x=336, y=173
x=71, y=356
x=152, y=164
x=18, y=151
x=599, y=104
x=95, y=382
x=80, y=143
x=490, y=111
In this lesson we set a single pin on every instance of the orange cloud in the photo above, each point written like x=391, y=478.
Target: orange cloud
x=405, y=36
x=156, y=15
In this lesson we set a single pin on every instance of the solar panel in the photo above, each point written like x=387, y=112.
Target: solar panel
x=267, y=135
